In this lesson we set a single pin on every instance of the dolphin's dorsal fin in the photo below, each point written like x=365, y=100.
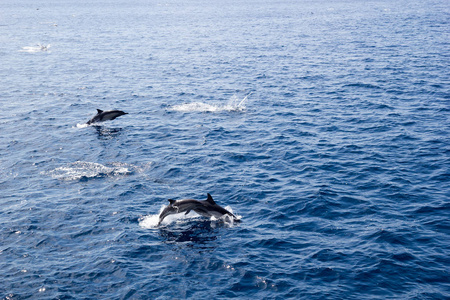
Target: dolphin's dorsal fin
x=172, y=201
x=99, y=111
x=210, y=200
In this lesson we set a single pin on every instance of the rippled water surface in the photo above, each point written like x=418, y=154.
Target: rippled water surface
x=323, y=125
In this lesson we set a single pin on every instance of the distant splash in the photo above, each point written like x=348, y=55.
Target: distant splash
x=49, y=23
x=151, y=221
x=88, y=170
x=235, y=104
x=37, y=48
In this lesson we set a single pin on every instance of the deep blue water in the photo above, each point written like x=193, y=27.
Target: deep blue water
x=323, y=125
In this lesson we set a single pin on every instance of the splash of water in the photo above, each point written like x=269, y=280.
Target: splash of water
x=82, y=125
x=37, y=48
x=234, y=104
x=81, y=169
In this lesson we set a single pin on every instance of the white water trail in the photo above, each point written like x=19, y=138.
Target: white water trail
x=234, y=104
x=83, y=169
x=37, y=48
x=82, y=125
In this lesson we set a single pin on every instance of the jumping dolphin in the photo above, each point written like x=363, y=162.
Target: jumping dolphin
x=105, y=116
x=206, y=208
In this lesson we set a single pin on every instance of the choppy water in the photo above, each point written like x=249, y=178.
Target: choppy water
x=323, y=125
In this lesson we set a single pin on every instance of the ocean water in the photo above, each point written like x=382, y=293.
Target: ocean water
x=324, y=125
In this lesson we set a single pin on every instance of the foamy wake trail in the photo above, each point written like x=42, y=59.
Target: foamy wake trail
x=151, y=221
x=234, y=104
x=37, y=48
x=81, y=169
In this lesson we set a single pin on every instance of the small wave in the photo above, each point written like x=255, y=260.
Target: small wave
x=49, y=23
x=37, y=48
x=87, y=170
x=234, y=104
x=362, y=85
x=151, y=221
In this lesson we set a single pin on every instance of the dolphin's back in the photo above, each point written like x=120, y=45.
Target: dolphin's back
x=106, y=116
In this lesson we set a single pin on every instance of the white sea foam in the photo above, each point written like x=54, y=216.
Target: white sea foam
x=82, y=125
x=37, y=48
x=82, y=169
x=149, y=222
x=234, y=104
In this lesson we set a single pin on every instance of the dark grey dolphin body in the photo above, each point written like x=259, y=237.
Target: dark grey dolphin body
x=102, y=116
x=207, y=208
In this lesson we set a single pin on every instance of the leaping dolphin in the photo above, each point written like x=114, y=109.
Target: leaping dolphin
x=206, y=208
x=105, y=116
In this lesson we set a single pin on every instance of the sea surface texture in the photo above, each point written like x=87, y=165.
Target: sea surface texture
x=323, y=125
